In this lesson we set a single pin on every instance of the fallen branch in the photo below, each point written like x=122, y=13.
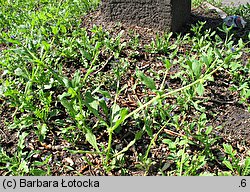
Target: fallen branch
x=107, y=61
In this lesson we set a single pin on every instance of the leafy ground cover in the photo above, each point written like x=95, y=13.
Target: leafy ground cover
x=83, y=96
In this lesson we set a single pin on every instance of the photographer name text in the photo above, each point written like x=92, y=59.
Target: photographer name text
x=38, y=183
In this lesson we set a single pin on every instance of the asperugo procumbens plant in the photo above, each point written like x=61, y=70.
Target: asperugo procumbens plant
x=232, y=162
x=119, y=115
x=40, y=39
x=241, y=72
x=19, y=163
x=197, y=83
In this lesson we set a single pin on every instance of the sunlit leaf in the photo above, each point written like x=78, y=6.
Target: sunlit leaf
x=196, y=68
x=91, y=138
x=148, y=81
x=209, y=130
x=46, y=45
x=63, y=29
x=21, y=140
x=23, y=167
x=119, y=118
x=167, y=63
x=200, y=89
x=68, y=106
x=228, y=148
x=76, y=79
x=228, y=165
x=92, y=104
x=246, y=168
x=54, y=30
x=43, y=129
x=72, y=92
x=18, y=71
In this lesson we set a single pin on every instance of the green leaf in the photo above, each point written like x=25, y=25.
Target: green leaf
x=228, y=58
x=43, y=129
x=209, y=130
x=87, y=55
x=63, y=28
x=138, y=135
x=171, y=144
x=104, y=107
x=104, y=93
x=210, y=78
x=196, y=68
x=69, y=107
x=228, y=149
x=98, y=45
x=14, y=41
x=72, y=92
x=91, y=138
x=115, y=112
x=246, y=169
x=92, y=104
x=183, y=142
x=167, y=141
x=148, y=81
x=38, y=163
x=189, y=63
x=65, y=94
x=119, y=118
x=76, y=79
x=22, y=140
x=50, y=84
x=225, y=173
x=200, y=89
x=54, y=30
x=234, y=66
x=46, y=45
x=167, y=63
x=38, y=172
x=218, y=53
x=19, y=72
x=205, y=60
x=148, y=128
x=66, y=82
x=228, y=164
x=23, y=167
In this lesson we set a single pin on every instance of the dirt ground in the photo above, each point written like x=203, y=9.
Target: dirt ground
x=232, y=116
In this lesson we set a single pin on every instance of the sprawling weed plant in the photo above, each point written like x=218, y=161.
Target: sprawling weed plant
x=53, y=80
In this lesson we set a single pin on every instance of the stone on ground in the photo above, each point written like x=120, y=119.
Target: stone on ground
x=161, y=14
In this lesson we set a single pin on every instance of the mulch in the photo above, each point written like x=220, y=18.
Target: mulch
x=232, y=116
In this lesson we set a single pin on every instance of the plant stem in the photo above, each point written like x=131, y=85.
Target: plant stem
x=109, y=144
x=172, y=92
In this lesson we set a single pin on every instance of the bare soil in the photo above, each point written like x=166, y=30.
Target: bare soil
x=232, y=116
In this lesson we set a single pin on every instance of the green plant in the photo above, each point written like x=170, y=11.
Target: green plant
x=214, y=2
x=232, y=162
x=89, y=88
x=242, y=10
x=197, y=134
x=18, y=163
